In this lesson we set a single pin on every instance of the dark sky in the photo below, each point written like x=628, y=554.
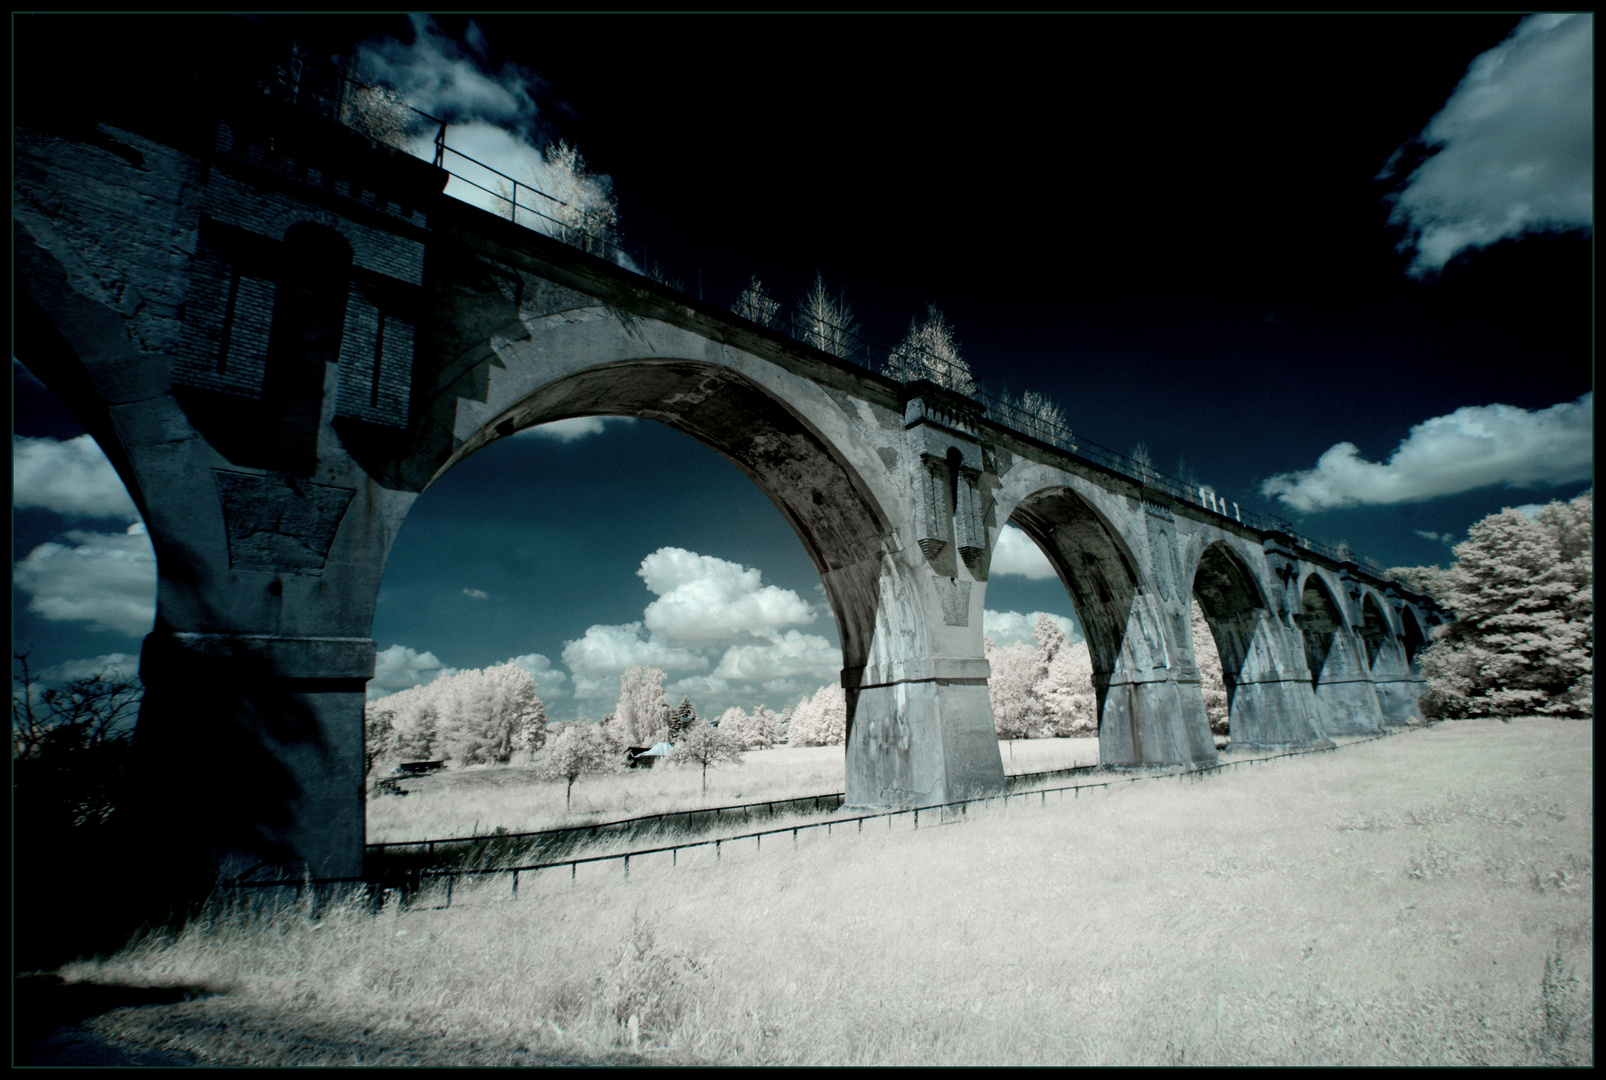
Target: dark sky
x=1173, y=226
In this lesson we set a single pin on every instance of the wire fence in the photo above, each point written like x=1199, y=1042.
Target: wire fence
x=823, y=326
x=414, y=880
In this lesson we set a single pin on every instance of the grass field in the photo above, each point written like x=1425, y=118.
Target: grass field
x=480, y=799
x=1422, y=899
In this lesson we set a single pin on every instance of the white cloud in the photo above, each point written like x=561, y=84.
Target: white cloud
x=476, y=594
x=601, y=656
x=576, y=427
x=399, y=667
x=789, y=656
x=704, y=599
x=1015, y=553
x=117, y=664
x=548, y=680
x=105, y=579
x=1514, y=146
x=1529, y=509
x=1473, y=447
x=1440, y=538
x=448, y=79
x=1011, y=627
x=72, y=478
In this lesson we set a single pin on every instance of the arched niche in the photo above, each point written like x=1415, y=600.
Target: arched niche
x=1319, y=622
x=1098, y=571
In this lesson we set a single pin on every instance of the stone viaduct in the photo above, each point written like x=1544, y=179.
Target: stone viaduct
x=282, y=333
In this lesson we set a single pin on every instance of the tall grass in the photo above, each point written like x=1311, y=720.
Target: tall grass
x=1423, y=899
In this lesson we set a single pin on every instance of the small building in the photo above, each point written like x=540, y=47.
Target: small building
x=640, y=757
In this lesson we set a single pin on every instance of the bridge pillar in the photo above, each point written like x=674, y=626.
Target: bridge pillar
x=1270, y=700
x=920, y=724
x=1153, y=707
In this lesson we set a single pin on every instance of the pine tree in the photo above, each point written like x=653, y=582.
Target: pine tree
x=682, y=718
x=826, y=324
x=1522, y=641
x=929, y=351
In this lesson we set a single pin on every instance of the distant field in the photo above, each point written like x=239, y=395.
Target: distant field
x=1422, y=899
x=461, y=802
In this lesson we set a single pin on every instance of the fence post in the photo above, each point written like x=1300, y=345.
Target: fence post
x=627, y=867
x=515, y=884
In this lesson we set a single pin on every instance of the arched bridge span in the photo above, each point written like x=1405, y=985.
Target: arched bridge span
x=282, y=333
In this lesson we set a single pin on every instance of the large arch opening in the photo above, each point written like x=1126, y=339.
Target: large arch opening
x=682, y=422
x=1374, y=629
x=1411, y=637
x=1231, y=606
x=1096, y=570
x=1319, y=621
x=821, y=496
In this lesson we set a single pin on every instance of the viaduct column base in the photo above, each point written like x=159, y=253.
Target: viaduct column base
x=249, y=755
x=1275, y=713
x=1155, y=723
x=921, y=741
x=1400, y=700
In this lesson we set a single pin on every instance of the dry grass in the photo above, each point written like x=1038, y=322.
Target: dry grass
x=480, y=799
x=1423, y=899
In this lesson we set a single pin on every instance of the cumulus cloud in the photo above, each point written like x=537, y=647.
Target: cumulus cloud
x=548, y=679
x=1015, y=553
x=476, y=594
x=702, y=598
x=576, y=427
x=399, y=667
x=782, y=657
x=1011, y=627
x=72, y=478
x=105, y=579
x=1512, y=150
x=1473, y=447
x=601, y=656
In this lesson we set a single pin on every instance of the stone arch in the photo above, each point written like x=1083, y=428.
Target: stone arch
x=1320, y=621
x=1374, y=628
x=839, y=521
x=1233, y=605
x=1411, y=636
x=1097, y=568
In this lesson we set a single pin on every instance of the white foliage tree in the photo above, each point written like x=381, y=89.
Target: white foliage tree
x=1208, y=657
x=642, y=717
x=1042, y=419
x=760, y=731
x=929, y=351
x=479, y=716
x=568, y=201
x=1011, y=688
x=578, y=750
x=821, y=720
x=756, y=305
x=826, y=324
x=1066, y=688
x=703, y=745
